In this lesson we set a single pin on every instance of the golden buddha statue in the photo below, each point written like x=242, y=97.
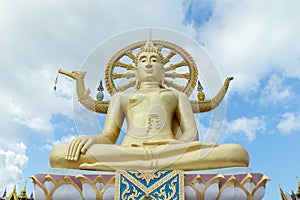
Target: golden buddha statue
x=161, y=129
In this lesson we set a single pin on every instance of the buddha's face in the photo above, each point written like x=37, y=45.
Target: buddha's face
x=149, y=67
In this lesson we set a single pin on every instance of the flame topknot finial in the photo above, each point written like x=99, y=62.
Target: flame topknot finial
x=149, y=47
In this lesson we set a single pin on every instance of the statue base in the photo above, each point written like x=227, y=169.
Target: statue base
x=220, y=184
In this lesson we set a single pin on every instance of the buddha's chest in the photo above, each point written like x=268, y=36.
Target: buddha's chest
x=152, y=109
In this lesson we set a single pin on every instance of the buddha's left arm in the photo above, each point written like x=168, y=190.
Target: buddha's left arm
x=186, y=119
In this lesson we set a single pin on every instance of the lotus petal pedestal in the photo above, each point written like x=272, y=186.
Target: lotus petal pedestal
x=222, y=184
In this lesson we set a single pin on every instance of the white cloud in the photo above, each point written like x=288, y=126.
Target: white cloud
x=245, y=128
x=12, y=162
x=30, y=103
x=239, y=129
x=276, y=91
x=289, y=123
x=63, y=140
x=247, y=39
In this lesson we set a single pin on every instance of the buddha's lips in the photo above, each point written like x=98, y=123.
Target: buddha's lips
x=149, y=70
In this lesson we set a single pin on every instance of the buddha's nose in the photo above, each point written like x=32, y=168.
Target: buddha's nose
x=148, y=66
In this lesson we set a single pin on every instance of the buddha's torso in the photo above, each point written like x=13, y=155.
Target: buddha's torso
x=149, y=115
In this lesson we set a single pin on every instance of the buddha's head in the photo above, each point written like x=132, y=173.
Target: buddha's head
x=149, y=64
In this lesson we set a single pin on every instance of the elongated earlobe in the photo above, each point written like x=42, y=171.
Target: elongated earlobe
x=162, y=80
x=137, y=83
x=162, y=83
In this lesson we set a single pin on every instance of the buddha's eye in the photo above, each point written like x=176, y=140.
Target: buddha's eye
x=153, y=60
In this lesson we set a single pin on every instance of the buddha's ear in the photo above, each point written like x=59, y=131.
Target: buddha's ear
x=163, y=77
x=162, y=84
x=137, y=83
x=163, y=70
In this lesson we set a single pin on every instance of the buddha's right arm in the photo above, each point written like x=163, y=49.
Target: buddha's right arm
x=112, y=127
x=114, y=118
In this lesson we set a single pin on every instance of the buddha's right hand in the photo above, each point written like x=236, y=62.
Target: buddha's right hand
x=79, y=146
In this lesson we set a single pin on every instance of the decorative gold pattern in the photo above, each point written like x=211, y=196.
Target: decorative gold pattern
x=132, y=195
x=153, y=119
x=163, y=194
x=167, y=191
x=148, y=175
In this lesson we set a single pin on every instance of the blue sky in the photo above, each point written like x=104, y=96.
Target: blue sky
x=254, y=41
